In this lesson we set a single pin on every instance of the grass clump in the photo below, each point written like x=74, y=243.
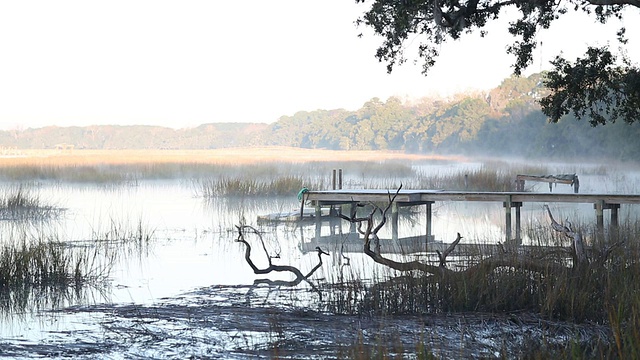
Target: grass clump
x=287, y=185
x=482, y=179
x=38, y=264
x=20, y=203
x=38, y=272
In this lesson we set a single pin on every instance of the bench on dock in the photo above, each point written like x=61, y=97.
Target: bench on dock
x=569, y=179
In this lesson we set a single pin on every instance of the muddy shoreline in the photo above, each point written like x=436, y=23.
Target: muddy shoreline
x=240, y=322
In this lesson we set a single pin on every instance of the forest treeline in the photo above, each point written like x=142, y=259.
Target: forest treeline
x=504, y=121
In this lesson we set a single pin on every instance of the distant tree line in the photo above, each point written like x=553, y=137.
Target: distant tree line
x=505, y=121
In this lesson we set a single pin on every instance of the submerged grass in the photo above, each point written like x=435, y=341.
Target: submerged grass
x=272, y=180
x=252, y=186
x=482, y=179
x=39, y=264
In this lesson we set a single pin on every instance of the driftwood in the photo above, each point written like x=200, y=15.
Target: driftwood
x=579, y=254
x=369, y=230
x=369, y=226
x=578, y=248
x=272, y=267
x=443, y=256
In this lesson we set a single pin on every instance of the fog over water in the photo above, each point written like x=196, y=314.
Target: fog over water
x=192, y=238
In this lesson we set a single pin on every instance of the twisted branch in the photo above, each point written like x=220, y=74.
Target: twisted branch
x=505, y=259
x=578, y=250
x=272, y=267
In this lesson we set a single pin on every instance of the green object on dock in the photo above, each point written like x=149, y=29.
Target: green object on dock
x=301, y=193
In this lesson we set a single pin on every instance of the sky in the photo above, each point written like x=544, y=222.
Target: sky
x=184, y=63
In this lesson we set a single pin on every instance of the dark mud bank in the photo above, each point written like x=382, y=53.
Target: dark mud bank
x=239, y=322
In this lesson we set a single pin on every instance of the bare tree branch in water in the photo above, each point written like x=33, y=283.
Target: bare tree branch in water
x=443, y=256
x=578, y=251
x=242, y=229
x=368, y=228
x=578, y=248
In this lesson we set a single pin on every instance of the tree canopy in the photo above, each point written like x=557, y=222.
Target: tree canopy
x=599, y=85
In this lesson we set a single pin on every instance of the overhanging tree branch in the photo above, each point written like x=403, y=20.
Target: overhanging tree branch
x=594, y=86
x=436, y=21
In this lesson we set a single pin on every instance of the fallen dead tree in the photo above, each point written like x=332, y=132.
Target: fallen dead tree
x=578, y=250
x=299, y=276
x=508, y=257
x=592, y=282
x=561, y=282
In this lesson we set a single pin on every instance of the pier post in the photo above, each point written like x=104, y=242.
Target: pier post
x=518, y=205
x=352, y=214
x=599, y=206
x=333, y=179
x=340, y=179
x=318, y=219
x=613, y=224
x=507, y=212
x=429, y=225
x=394, y=221
x=614, y=214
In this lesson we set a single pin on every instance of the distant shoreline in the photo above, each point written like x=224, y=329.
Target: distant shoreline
x=240, y=155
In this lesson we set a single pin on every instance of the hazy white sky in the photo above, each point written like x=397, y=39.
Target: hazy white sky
x=184, y=63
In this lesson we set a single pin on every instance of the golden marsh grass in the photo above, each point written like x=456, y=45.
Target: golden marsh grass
x=130, y=165
x=227, y=156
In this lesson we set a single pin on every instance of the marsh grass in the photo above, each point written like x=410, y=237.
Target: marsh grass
x=252, y=186
x=276, y=181
x=21, y=203
x=122, y=240
x=482, y=179
x=40, y=272
x=269, y=171
x=120, y=166
x=601, y=293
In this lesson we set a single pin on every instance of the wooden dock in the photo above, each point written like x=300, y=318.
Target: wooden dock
x=512, y=202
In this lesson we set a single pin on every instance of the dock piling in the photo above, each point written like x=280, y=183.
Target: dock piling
x=507, y=211
x=394, y=221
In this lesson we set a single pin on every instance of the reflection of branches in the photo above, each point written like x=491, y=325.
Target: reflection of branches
x=272, y=267
x=347, y=260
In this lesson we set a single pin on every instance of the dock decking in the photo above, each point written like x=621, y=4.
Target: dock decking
x=510, y=200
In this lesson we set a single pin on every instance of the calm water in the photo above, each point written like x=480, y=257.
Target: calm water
x=193, y=246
